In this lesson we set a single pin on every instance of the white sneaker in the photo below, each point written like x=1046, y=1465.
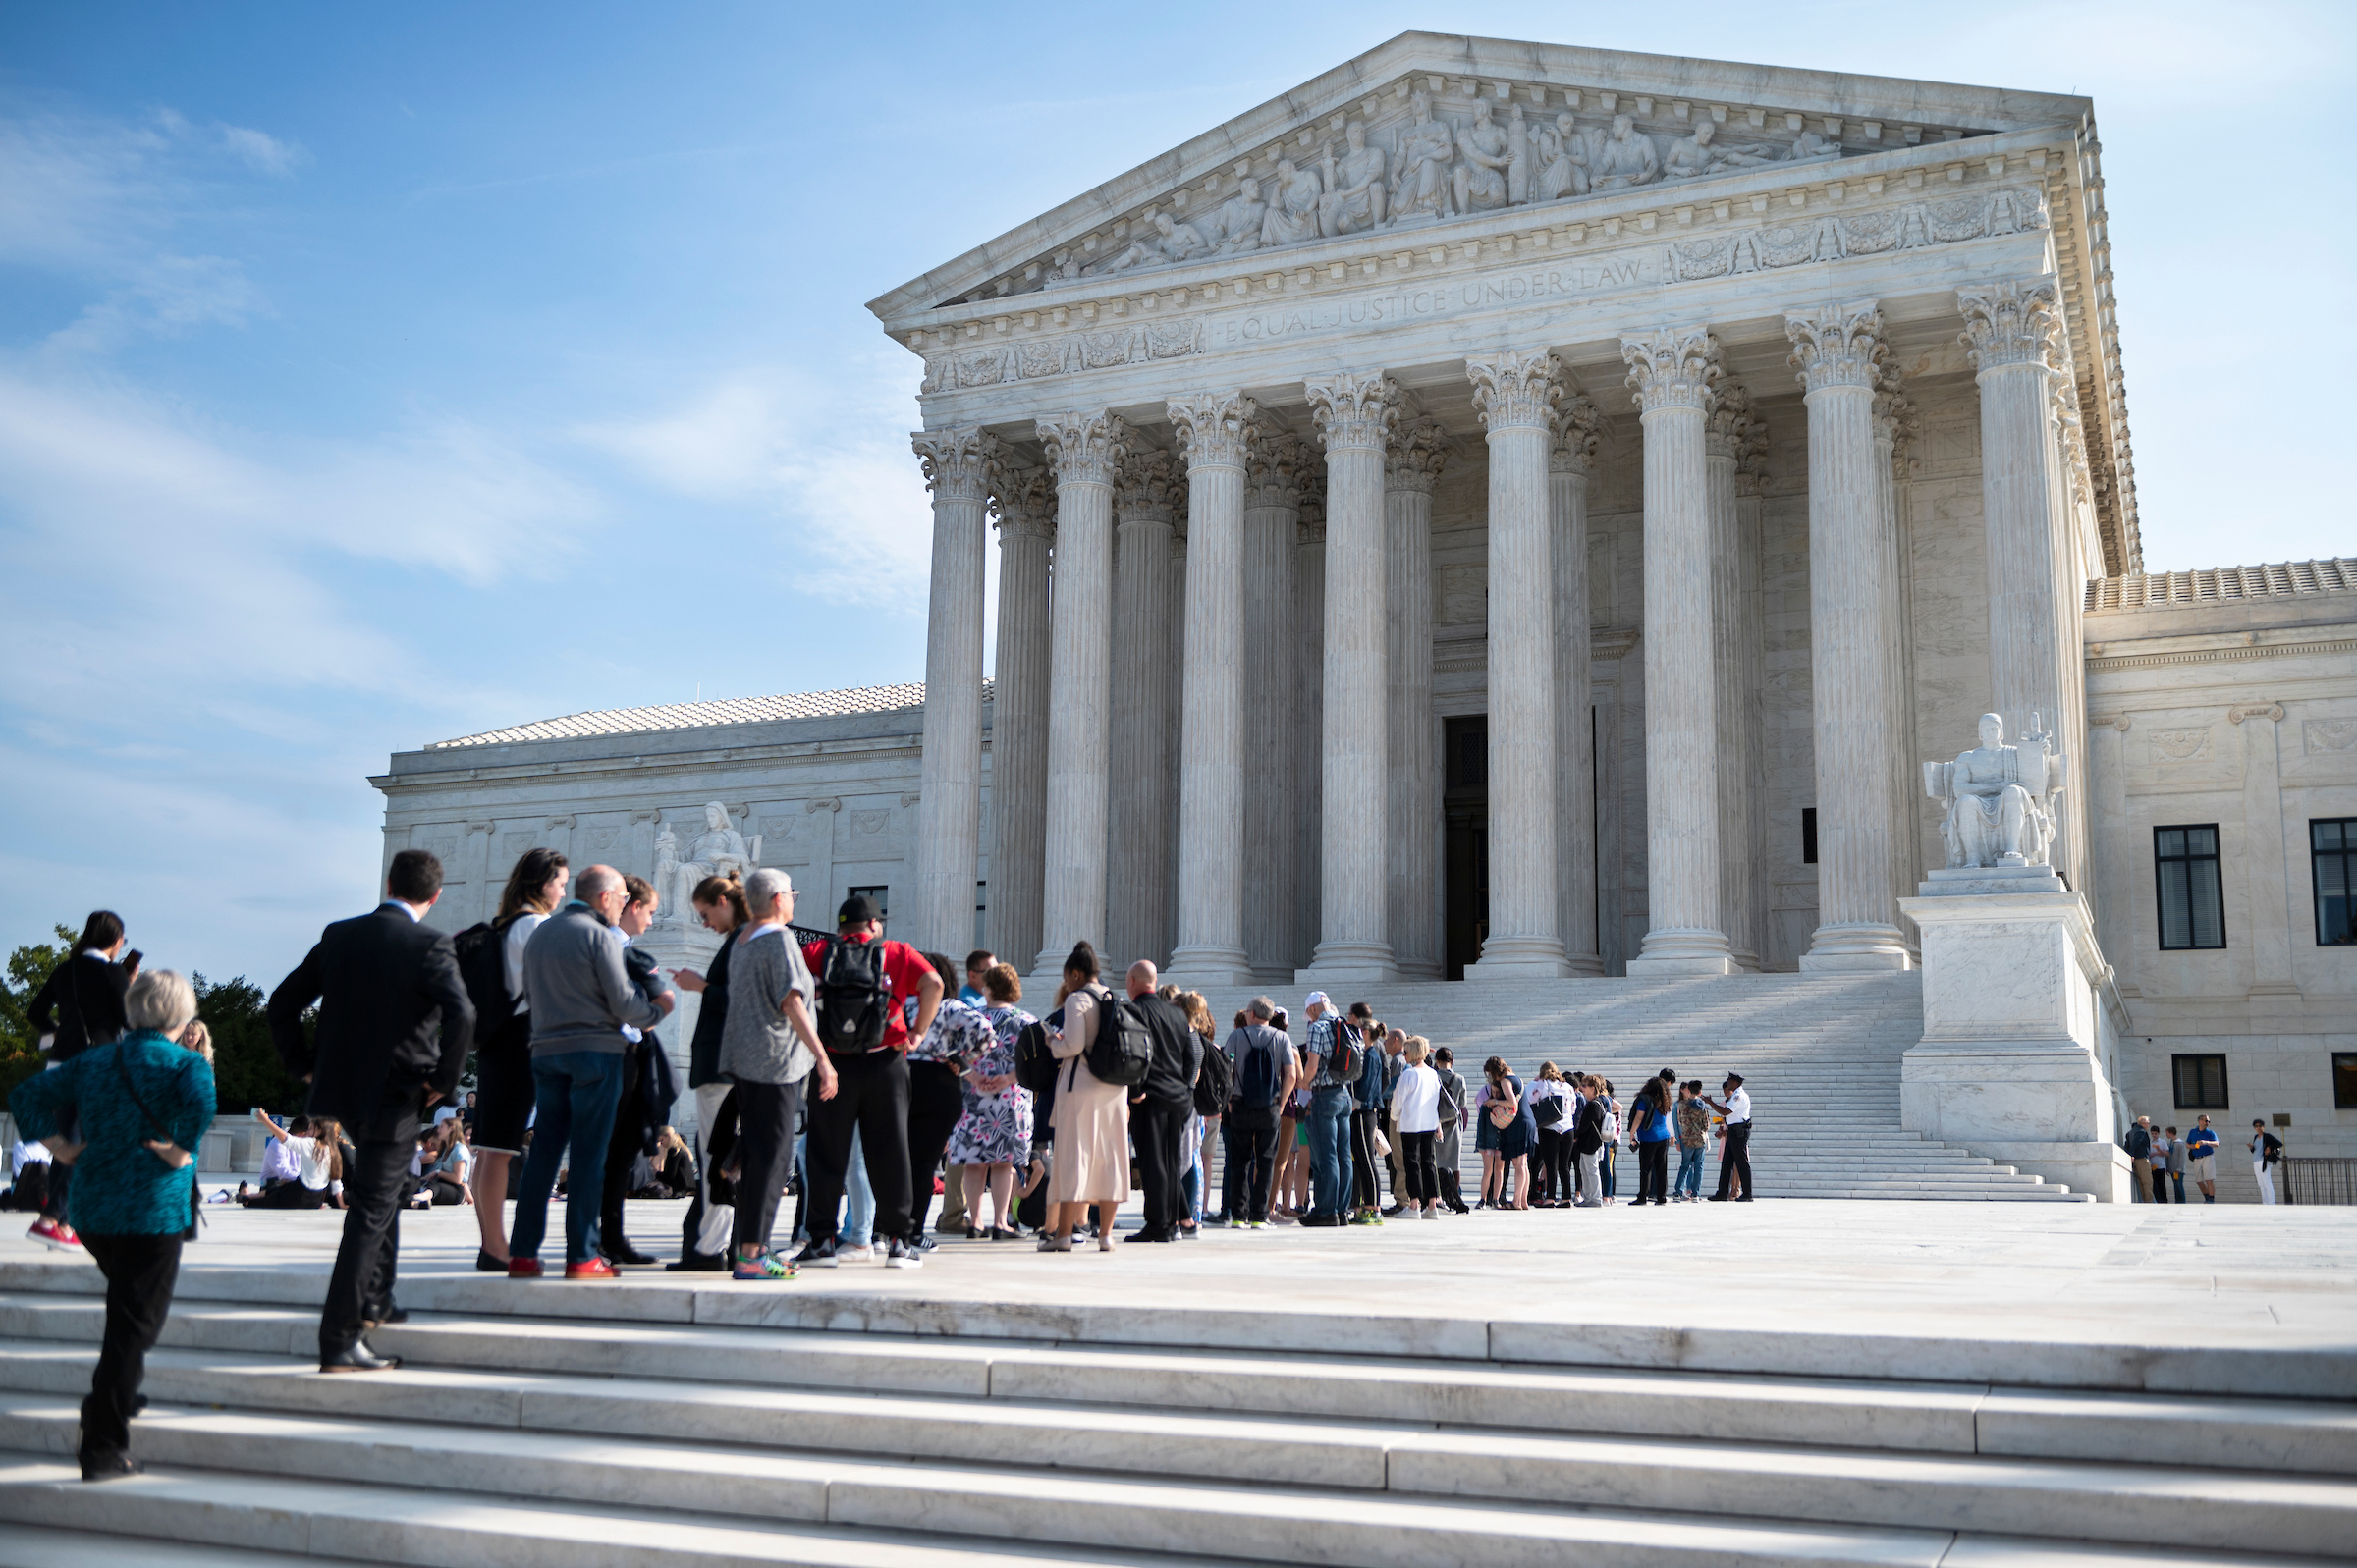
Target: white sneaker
x=856, y=1254
x=1431, y=1212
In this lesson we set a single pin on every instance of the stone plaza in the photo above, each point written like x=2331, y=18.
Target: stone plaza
x=1505, y=515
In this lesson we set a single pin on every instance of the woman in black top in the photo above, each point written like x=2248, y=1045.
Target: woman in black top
x=79, y=1004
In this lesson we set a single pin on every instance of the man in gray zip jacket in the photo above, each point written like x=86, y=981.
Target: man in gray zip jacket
x=580, y=997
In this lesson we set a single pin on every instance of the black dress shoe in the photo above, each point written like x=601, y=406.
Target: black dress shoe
x=621, y=1252
x=700, y=1262
x=357, y=1357
x=110, y=1467
x=1150, y=1235
x=486, y=1264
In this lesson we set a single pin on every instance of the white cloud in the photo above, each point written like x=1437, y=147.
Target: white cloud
x=264, y=152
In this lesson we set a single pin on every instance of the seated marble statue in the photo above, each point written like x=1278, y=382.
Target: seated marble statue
x=1562, y=161
x=1293, y=209
x=1236, y=226
x=2002, y=802
x=1356, y=185
x=718, y=850
x=1420, y=181
x=1479, y=180
x=1628, y=157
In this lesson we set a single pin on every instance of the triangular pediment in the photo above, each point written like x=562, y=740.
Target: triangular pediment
x=1429, y=130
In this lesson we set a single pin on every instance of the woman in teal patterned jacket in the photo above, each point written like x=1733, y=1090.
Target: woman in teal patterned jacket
x=144, y=1103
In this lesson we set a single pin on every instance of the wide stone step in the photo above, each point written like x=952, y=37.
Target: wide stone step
x=763, y=1454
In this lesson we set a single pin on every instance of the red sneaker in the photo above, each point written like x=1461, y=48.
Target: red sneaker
x=53, y=1234
x=590, y=1269
x=523, y=1268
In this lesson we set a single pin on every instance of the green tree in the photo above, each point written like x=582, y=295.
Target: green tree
x=28, y=970
x=246, y=1065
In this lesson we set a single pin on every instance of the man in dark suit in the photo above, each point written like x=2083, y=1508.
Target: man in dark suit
x=387, y=987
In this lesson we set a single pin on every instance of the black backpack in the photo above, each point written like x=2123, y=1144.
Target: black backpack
x=1034, y=1063
x=1216, y=1085
x=1123, y=1047
x=1348, y=1056
x=855, y=997
x=483, y=966
x=1257, y=1078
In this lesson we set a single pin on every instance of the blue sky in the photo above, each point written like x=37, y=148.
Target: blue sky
x=371, y=376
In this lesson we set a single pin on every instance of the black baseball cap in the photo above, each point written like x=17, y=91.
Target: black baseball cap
x=857, y=910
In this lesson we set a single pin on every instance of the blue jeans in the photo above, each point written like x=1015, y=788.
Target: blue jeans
x=1330, y=1162
x=1689, y=1172
x=1606, y=1170
x=575, y=1096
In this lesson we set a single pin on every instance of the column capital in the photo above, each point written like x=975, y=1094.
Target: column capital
x=1578, y=432
x=1275, y=464
x=1836, y=344
x=1149, y=486
x=1215, y=427
x=2014, y=322
x=1353, y=408
x=1517, y=389
x=1728, y=422
x=954, y=460
x=1022, y=498
x=1309, y=525
x=1672, y=367
x=1412, y=460
x=1085, y=444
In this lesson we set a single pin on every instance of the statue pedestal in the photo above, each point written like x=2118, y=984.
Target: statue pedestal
x=2020, y=1013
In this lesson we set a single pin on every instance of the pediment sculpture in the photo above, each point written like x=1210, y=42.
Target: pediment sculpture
x=2001, y=801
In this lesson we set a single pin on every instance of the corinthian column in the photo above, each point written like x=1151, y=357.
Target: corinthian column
x=1514, y=395
x=1274, y=466
x=1893, y=417
x=1024, y=498
x=1723, y=432
x=1567, y=468
x=1671, y=370
x=1215, y=428
x=2014, y=331
x=1307, y=742
x=1086, y=448
x=1751, y=472
x=948, y=824
x=1413, y=462
x=1838, y=350
x=1149, y=488
x=1354, y=411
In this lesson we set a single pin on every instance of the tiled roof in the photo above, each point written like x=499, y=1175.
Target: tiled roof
x=704, y=714
x=2282, y=580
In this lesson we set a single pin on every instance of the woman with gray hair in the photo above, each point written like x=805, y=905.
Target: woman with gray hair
x=142, y=1105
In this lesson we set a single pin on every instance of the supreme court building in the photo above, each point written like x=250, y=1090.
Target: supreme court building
x=1506, y=512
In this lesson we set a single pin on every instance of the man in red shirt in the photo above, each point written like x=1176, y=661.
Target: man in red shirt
x=866, y=988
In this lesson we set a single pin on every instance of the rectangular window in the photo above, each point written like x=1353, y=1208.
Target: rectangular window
x=2201, y=1082
x=2185, y=864
x=2333, y=852
x=2345, y=1080
x=1808, y=836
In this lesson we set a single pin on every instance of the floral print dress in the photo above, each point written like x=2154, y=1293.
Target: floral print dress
x=996, y=1129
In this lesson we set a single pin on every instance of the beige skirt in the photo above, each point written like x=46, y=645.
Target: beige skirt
x=1092, y=1138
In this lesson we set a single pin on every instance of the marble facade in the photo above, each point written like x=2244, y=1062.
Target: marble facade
x=1695, y=443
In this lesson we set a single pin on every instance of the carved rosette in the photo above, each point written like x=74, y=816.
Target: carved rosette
x=2017, y=322
x=1836, y=344
x=1085, y=447
x=1355, y=410
x=1579, y=431
x=1722, y=430
x=1672, y=367
x=955, y=461
x=1022, y=498
x=1417, y=453
x=1516, y=390
x=1274, y=466
x=1150, y=486
x=1214, y=428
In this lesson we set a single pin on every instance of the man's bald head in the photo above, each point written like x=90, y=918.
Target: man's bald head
x=1142, y=977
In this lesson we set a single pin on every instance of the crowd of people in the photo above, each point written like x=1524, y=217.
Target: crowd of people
x=852, y=1072
x=2159, y=1160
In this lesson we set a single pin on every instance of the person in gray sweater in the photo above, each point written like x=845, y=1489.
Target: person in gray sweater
x=580, y=996
x=768, y=1046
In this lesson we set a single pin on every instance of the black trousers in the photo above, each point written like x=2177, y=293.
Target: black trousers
x=1252, y=1152
x=765, y=1117
x=874, y=1098
x=141, y=1271
x=1157, y=1127
x=1551, y=1176
x=1734, y=1157
x=1423, y=1181
x=622, y=1149
x=1366, y=1190
x=291, y=1195
x=2160, y=1182
x=1653, y=1172
x=375, y=1183
x=934, y=1103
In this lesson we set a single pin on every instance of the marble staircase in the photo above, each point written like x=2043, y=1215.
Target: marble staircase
x=554, y=1427
x=1819, y=1054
